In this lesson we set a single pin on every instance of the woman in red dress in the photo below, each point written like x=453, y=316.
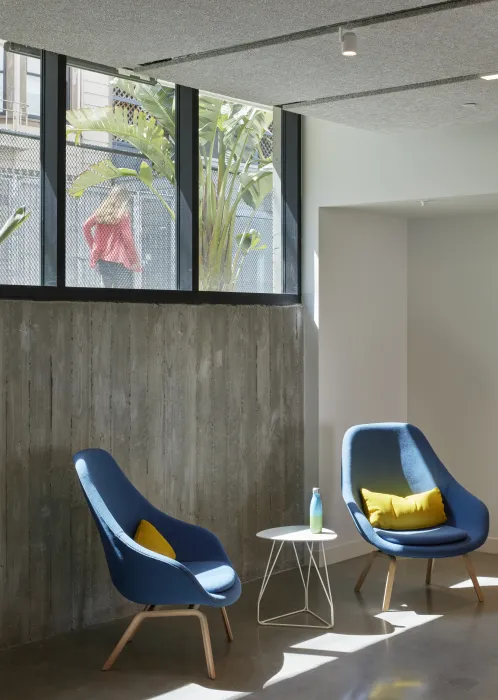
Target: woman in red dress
x=111, y=244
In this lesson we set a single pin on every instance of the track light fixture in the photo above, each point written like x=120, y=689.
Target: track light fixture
x=349, y=43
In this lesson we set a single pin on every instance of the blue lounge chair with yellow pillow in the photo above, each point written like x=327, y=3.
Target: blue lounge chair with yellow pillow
x=389, y=462
x=153, y=558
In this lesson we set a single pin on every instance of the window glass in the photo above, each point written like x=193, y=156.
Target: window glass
x=33, y=65
x=121, y=191
x=20, y=181
x=240, y=242
x=33, y=95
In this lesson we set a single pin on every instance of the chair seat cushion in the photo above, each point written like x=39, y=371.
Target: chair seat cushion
x=214, y=576
x=430, y=536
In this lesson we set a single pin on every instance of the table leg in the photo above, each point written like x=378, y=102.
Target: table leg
x=266, y=577
x=272, y=621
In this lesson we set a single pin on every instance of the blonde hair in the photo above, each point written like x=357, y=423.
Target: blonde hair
x=114, y=207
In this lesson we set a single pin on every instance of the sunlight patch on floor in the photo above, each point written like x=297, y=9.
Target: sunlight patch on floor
x=483, y=580
x=295, y=664
x=405, y=619
x=192, y=691
x=349, y=643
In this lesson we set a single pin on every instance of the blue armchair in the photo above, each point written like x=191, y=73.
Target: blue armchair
x=201, y=575
x=397, y=458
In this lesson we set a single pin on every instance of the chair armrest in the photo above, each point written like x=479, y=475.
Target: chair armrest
x=146, y=577
x=190, y=542
x=466, y=511
x=364, y=526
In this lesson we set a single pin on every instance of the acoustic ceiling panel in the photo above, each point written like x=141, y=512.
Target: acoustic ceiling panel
x=129, y=32
x=424, y=48
x=414, y=109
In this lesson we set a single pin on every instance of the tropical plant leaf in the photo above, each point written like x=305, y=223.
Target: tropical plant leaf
x=157, y=100
x=232, y=168
x=104, y=171
x=211, y=118
x=256, y=185
x=142, y=133
x=250, y=240
x=253, y=124
x=13, y=222
x=145, y=174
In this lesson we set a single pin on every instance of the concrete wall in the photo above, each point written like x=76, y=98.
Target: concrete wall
x=200, y=405
x=362, y=343
x=452, y=346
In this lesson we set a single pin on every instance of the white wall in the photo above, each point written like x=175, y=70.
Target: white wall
x=362, y=366
x=343, y=166
x=453, y=346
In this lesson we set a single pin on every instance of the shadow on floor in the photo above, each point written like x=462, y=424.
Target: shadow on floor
x=434, y=643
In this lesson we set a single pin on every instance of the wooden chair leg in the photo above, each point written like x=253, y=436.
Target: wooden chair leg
x=428, y=573
x=365, y=571
x=389, y=584
x=226, y=622
x=473, y=577
x=127, y=636
x=140, y=617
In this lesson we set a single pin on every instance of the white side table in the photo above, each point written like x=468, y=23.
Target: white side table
x=293, y=534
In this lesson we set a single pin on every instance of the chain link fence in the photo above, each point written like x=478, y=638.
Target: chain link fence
x=152, y=226
x=20, y=186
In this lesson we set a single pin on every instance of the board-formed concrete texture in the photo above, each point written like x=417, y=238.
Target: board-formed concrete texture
x=202, y=406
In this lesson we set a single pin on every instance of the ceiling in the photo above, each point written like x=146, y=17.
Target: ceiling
x=437, y=49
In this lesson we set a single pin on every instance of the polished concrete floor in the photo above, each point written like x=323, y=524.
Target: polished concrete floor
x=436, y=643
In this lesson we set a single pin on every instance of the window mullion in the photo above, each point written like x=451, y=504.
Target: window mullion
x=53, y=168
x=291, y=201
x=187, y=184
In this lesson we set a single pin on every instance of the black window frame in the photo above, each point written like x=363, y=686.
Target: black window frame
x=53, y=76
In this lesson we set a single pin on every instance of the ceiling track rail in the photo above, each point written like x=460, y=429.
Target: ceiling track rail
x=324, y=30
x=382, y=91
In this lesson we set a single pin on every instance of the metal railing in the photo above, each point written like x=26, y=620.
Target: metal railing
x=14, y=114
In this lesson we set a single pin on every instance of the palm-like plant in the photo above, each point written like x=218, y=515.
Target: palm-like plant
x=13, y=222
x=232, y=167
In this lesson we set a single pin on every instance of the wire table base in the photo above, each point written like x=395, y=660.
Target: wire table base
x=305, y=579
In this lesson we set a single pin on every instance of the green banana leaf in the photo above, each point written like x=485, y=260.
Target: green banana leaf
x=142, y=133
x=232, y=166
x=211, y=118
x=256, y=186
x=154, y=99
x=253, y=122
x=97, y=174
x=250, y=240
x=105, y=171
x=13, y=222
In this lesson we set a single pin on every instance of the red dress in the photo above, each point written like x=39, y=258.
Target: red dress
x=112, y=242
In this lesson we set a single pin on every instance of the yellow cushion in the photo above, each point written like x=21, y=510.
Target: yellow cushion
x=148, y=536
x=411, y=513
